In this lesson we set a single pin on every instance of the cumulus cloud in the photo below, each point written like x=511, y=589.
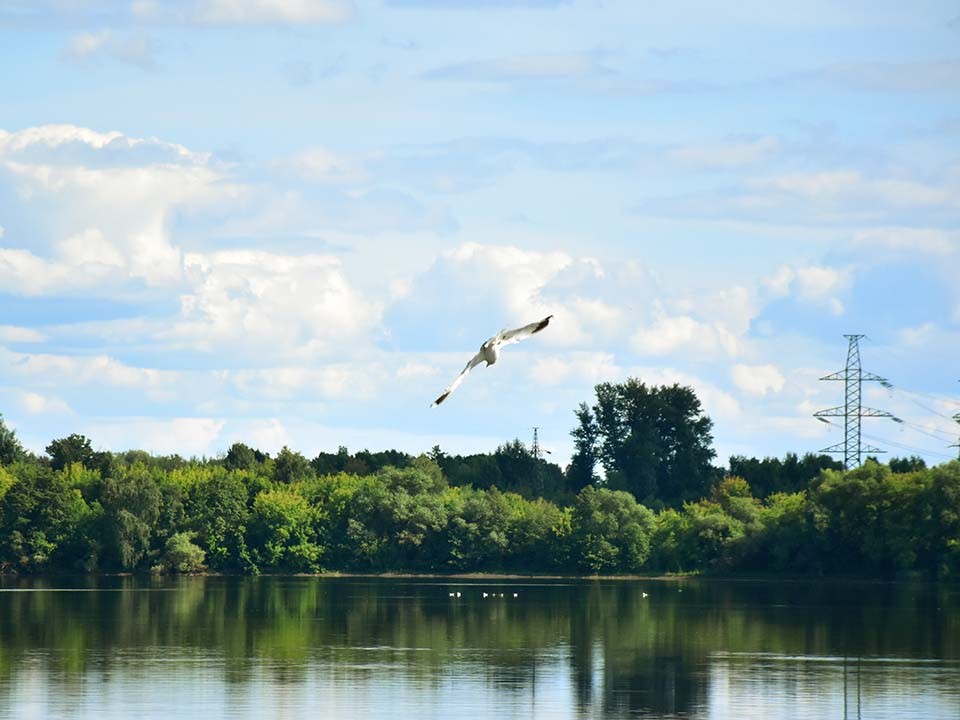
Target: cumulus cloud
x=592, y=367
x=817, y=284
x=717, y=403
x=37, y=404
x=757, y=379
x=486, y=287
x=682, y=332
x=183, y=436
x=269, y=303
x=99, y=205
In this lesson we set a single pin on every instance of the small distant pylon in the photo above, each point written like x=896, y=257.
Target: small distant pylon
x=852, y=411
x=957, y=443
x=535, y=451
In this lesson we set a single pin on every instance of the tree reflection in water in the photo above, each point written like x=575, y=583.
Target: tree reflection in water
x=591, y=647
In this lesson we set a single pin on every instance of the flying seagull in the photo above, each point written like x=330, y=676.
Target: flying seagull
x=490, y=351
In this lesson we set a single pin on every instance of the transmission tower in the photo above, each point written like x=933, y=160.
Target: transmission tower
x=852, y=411
x=535, y=451
x=957, y=443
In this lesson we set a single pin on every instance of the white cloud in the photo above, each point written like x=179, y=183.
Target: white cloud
x=342, y=381
x=717, y=403
x=243, y=12
x=37, y=404
x=592, y=367
x=412, y=369
x=682, y=332
x=726, y=155
x=757, y=379
x=918, y=336
x=912, y=240
x=183, y=436
x=48, y=368
x=269, y=304
x=817, y=284
x=16, y=334
x=133, y=49
x=323, y=166
x=851, y=188
x=99, y=205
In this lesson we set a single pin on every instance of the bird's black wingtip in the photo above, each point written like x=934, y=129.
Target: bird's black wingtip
x=543, y=324
x=439, y=399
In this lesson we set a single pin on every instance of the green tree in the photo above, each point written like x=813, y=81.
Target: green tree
x=131, y=502
x=10, y=448
x=281, y=534
x=181, y=555
x=71, y=449
x=217, y=510
x=610, y=531
x=290, y=467
x=239, y=457
x=654, y=441
x=582, y=470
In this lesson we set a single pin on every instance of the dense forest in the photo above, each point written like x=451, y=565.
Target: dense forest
x=640, y=495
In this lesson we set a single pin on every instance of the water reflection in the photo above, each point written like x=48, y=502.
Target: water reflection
x=309, y=647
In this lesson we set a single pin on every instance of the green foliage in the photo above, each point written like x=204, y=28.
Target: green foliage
x=131, y=501
x=611, y=532
x=582, y=470
x=71, y=449
x=653, y=441
x=772, y=475
x=239, y=457
x=246, y=513
x=282, y=533
x=290, y=467
x=181, y=555
x=11, y=450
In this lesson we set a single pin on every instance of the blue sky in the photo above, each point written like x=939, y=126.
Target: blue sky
x=292, y=222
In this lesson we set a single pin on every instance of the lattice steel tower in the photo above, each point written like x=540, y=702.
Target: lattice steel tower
x=957, y=444
x=852, y=411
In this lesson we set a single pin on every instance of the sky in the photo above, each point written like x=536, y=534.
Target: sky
x=291, y=222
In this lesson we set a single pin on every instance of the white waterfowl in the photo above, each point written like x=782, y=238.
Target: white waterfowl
x=490, y=352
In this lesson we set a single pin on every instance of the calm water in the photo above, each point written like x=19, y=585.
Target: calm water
x=397, y=648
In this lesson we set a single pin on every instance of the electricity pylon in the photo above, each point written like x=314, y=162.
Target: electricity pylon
x=957, y=443
x=852, y=411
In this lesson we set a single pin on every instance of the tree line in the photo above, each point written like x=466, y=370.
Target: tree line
x=640, y=495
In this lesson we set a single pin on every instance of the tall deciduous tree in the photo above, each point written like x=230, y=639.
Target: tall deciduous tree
x=10, y=448
x=582, y=470
x=653, y=441
x=71, y=449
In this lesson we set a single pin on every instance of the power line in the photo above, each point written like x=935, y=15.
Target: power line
x=892, y=443
x=852, y=411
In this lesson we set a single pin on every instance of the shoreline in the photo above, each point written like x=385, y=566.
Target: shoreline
x=482, y=576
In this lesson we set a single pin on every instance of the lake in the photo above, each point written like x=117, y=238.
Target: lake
x=305, y=647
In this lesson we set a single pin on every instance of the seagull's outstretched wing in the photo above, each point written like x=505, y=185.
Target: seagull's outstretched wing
x=474, y=361
x=522, y=333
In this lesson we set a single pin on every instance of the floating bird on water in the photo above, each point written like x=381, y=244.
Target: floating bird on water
x=490, y=351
